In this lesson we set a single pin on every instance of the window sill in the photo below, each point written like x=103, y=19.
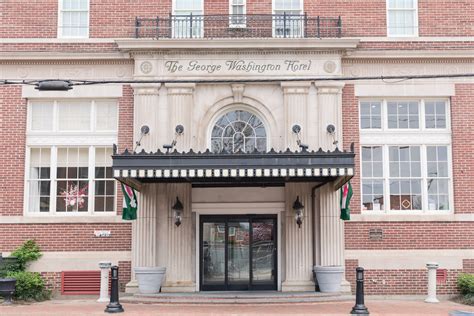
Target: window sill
x=54, y=218
x=440, y=216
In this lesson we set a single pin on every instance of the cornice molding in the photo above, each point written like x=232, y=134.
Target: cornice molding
x=147, y=45
x=441, y=56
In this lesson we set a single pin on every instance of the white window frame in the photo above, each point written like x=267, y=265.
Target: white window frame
x=201, y=31
x=422, y=137
x=235, y=25
x=415, y=22
x=60, y=20
x=72, y=139
x=274, y=24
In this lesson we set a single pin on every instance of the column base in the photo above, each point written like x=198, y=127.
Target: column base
x=432, y=300
x=104, y=300
x=179, y=287
x=132, y=287
x=297, y=286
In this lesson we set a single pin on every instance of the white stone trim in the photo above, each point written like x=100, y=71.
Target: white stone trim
x=61, y=219
x=89, y=92
x=405, y=90
x=409, y=259
x=76, y=260
x=417, y=217
x=239, y=208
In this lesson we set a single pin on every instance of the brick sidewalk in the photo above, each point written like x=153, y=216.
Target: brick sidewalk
x=376, y=307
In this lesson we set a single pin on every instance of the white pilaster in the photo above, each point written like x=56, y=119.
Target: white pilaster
x=329, y=96
x=298, y=242
x=180, y=104
x=149, y=234
x=295, y=95
x=146, y=100
x=181, y=265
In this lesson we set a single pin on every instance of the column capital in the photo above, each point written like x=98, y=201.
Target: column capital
x=329, y=87
x=146, y=88
x=295, y=87
x=180, y=88
x=105, y=264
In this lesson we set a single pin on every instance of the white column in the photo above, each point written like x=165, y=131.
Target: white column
x=298, y=241
x=181, y=264
x=180, y=103
x=104, y=281
x=146, y=100
x=295, y=96
x=331, y=236
x=149, y=235
x=432, y=267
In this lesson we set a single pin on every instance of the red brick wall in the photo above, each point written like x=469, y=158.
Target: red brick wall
x=463, y=145
x=115, y=18
x=125, y=270
x=350, y=134
x=410, y=235
x=13, y=138
x=67, y=237
x=401, y=281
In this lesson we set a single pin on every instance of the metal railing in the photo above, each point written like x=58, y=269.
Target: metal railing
x=238, y=26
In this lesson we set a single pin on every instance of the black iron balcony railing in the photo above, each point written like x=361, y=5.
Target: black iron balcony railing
x=238, y=26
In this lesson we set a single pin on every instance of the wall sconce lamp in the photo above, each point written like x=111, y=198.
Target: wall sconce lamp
x=178, y=212
x=296, y=129
x=331, y=129
x=178, y=131
x=144, y=130
x=298, y=207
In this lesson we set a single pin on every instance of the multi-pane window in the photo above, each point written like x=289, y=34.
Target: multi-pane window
x=402, y=18
x=73, y=173
x=435, y=114
x=406, y=171
x=72, y=193
x=405, y=178
x=188, y=21
x=104, y=182
x=403, y=114
x=39, y=182
x=372, y=174
x=73, y=116
x=73, y=18
x=287, y=18
x=237, y=12
x=238, y=131
x=438, y=177
x=370, y=114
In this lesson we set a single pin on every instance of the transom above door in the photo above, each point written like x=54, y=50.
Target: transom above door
x=238, y=252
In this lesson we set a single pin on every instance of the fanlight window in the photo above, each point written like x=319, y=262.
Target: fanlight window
x=238, y=130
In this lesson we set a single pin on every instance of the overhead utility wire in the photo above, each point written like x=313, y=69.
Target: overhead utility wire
x=72, y=82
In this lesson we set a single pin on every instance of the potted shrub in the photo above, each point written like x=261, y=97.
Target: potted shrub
x=149, y=279
x=329, y=278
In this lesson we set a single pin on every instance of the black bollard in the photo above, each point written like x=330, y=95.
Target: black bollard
x=114, y=305
x=359, y=307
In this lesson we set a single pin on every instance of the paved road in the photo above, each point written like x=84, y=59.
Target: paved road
x=376, y=307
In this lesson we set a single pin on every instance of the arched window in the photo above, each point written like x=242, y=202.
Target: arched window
x=238, y=130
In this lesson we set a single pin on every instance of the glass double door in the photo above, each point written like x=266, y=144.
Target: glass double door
x=238, y=253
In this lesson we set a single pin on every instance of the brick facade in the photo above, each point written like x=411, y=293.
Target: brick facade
x=115, y=19
x=111, y=19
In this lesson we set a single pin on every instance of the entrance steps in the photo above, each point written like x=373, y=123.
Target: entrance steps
x=270, y=297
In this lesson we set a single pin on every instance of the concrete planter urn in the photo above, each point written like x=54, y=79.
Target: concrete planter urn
x=329, y=278
x=7, y=288
x=149, y=279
